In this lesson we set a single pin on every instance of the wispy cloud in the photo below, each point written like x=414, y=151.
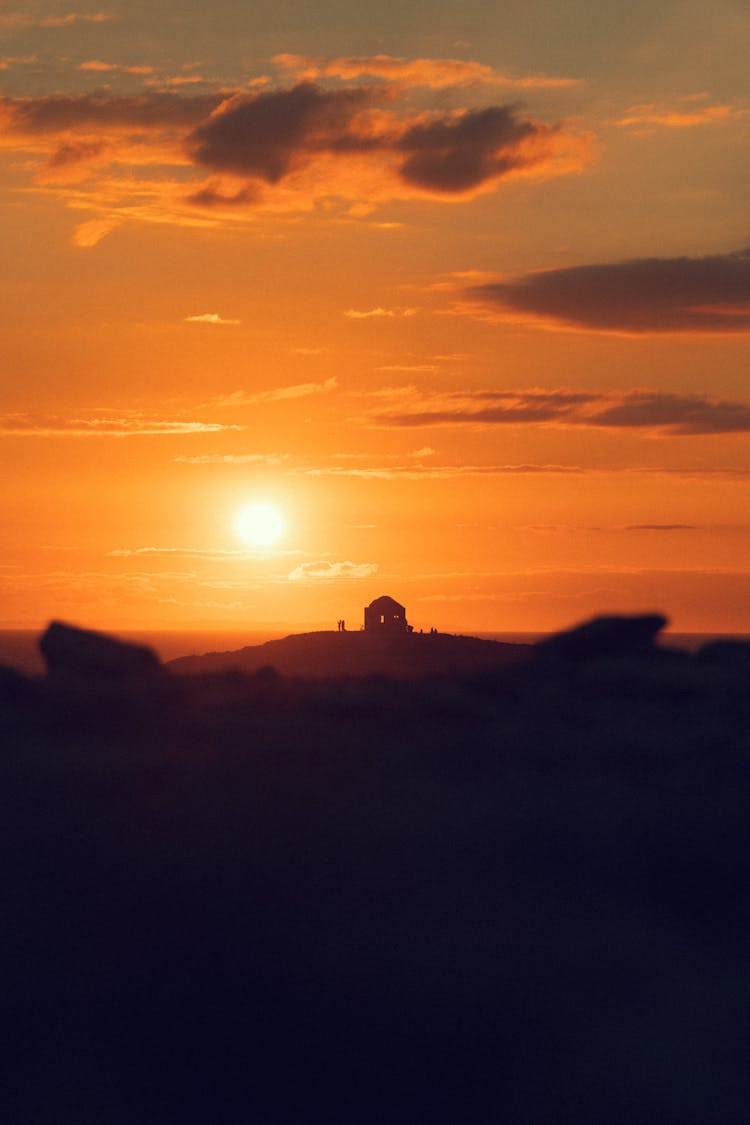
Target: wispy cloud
x=274, y=394
x=740, y=473
x=644, y=295
x=129, y=424
x=360, y=455
x=234, y=459
x=379, y=313
x=177, y=80
x=96, y=66
x=660, y=411
x=433, y=73
x=662, y=527
x=437, y=472
x=20, y=20
x=93, y=231
x=688, y=113
x=409, y=368
x=205, y=554
x=210, y=318
x=329, y=572
x=7, y=61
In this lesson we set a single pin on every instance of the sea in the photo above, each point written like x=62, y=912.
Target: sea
x=19, y=648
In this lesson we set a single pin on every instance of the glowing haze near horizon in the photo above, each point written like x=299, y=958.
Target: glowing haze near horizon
x=460, y=292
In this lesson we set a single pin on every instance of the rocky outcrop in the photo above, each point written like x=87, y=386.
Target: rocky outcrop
x=70, y=651
x=603, y=637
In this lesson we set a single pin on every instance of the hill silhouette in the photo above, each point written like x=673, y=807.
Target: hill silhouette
x=326, y=654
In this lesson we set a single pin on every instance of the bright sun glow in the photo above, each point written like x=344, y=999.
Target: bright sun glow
x=260, y=524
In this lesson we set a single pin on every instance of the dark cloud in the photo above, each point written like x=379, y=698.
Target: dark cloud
x=270, y=133
x=457, y=154
x=662, y=527
x=74, y=154
x=510, y=408
x=488, y=415
x=668, y=413
x=267, y=134
x=211, y=196
x=282, y=149
x=710, y=294
x=59, y=113
x=682, y=414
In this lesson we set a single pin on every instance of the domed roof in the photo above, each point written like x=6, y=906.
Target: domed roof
x=385, y=603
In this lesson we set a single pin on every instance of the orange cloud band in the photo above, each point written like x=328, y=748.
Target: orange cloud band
x=275, y=150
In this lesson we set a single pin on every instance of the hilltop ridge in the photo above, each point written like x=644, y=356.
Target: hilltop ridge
x=327, y=654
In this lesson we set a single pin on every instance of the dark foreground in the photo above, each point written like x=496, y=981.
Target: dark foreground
x=513, y=897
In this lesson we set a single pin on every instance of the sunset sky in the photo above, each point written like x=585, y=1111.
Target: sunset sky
x=460, y=290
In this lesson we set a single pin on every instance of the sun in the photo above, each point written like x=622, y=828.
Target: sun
x=260, y=524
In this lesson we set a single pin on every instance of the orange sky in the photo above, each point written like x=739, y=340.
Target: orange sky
x=465, y=295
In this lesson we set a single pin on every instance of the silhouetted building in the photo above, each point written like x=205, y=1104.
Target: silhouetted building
x=385, y=614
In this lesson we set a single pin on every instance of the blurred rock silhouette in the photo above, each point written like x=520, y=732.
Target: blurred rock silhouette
x=71, y=651
x=603, y=637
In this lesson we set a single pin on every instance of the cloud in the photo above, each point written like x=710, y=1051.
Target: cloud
x=439, y=472
x=214, y=196
x=8, y=61
x=93, y=231
x=409, y=367
x=72, y=155
x=678, y=414
x=267, y=134
x=210, y=318
x=128, y=424
x=176, y=552
x=151, y=110
x=448, y=472
x=379, y=313
x=457, y=154
x=99, y=67
x=433, y=73
x=643, y=295
x=15, y=21
x=659, y=411
x=729, y=472
x=275, y=394
x=205, y=554
x=179, y=80
x=327, y=571
x=234, y=459
x=688, y=114
x=223, y=157
x=662, y=527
